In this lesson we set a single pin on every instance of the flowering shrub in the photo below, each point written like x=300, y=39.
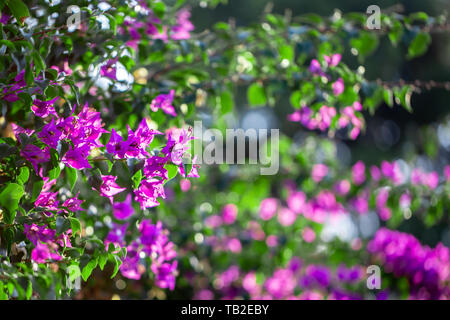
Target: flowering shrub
x=98, y=174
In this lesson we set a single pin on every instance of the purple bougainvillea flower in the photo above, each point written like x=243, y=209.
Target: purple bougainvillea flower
x=165, y=274
x=268, y=208
x=130, y=266
x=296, y=200
x=164, y=102
x=333, y=60
x=73, y=204
x=314, y=67
x=122, y=210
x=177, y=145
x=44, y=108
x=181, y=31
x=359, y=173
x=342, y=187
x=319, y=171
x=47, y=200
x=17, y=130
x=50, y=134
x=64, y=239
x=109, y=187
x=109, y=69
x=229, y=213
x=35, y=155
x=148, y=192
x=150, y=233
x=360, y=204
x=4, y=18
x=338, y=87
x=42, y=253
x=116, y=235
x=286, y=217
x=116, y=145
x=76, y=157
x=36, y=233
x=145, y=134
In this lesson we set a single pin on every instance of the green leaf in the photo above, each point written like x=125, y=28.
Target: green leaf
x=226, y=102
x=102, y=259
x=18, y=9
x=29, y=291
x=54, y=173
x=396, y=32
x=403, y=97
x=71, y=175
x=29, y=78
x=388, y=97
x=37, y=187
x=9, y=199
x=365, y=44
x=23, y=176
x=419, y=45
x=9, y=44
x=136, y=178
x=87, y=270
x=286, y=52
x=75, y=224
x=171, y=170
x=295, y=99
x=38, y=61
x=256, y=95
x=74, y=272
x=117, y=264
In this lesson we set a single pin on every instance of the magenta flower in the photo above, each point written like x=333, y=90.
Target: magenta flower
x=17, y=130
x=44, y=108
x=35, y=155
x=164, y=102
x=36, y=233
x=148, y=192
x=165, y=274
x=122, y=210
x=319, y=171
x=116, y=235
x=229, y=213
x=50, y=134
x=342, y=187
x=47, y=200
x=181, y=31
x=150, y=233
x=360, y=204
x=405, y=200
x=286, y=217
x=109, y=69
x=359, y=173
x=145, y=134
x=109, y=187
x=116, y=145
x=314, y=67
x=268, y=208
x=333, y=60
x=447, y=172
x=296, y=200
x=42, y=254
x=76, y=157
x=73, y=204
x=213, y=221
x=392, y=171
x=308, y=234
x=375, y=173
x=338, y=87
